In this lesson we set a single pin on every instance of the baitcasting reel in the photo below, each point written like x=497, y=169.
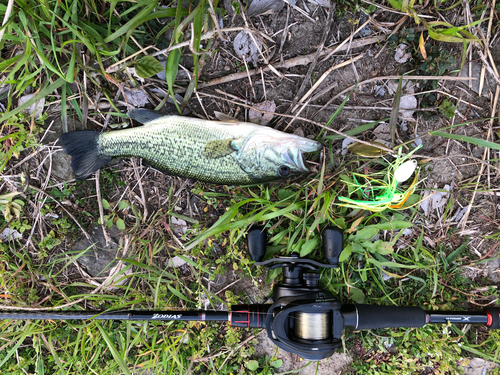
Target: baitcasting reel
x=303, y=319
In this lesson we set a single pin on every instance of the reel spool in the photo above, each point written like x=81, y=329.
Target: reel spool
x=313, y=326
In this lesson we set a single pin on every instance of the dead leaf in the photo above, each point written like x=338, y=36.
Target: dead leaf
x=244, y=46
x=421, y=45
x=262, y=118
x=433, y=199
x=368, y=151
x=136, y=97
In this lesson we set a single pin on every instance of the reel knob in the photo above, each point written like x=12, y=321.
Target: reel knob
x=257, y=242
x=333, y=243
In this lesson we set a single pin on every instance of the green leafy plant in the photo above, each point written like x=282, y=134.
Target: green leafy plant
x=11, y=208
x=447, y=109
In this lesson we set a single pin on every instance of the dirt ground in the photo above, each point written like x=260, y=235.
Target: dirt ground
x=290, y=35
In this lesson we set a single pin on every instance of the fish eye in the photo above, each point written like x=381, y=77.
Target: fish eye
x=284, y=171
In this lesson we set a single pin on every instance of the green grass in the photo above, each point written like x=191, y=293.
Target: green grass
x=43, y=49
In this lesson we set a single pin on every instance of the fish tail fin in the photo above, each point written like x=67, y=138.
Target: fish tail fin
x=82, y=146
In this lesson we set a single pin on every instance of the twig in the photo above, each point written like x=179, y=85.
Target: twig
x=330, y=87
x=486, y=64
x=319, y=82
x=216, y=22
x=141, y=189
x=117, y=66
x=314, y=61
x=101, y=208
x=398, y=26
x=64, y=209
x=235, y=349
x=8, y=11
x=469, y=207
x=327, y=73
x=208, y=35
x=304, y=13
x=249, y=77
x=336, y=49
x=394, y=11
x=285, y=30
x=296, y=61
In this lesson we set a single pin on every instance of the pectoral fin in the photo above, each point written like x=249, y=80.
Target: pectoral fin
x=218, y=149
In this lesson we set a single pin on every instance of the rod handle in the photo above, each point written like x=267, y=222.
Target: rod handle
x=493, y=314
x=372, y=316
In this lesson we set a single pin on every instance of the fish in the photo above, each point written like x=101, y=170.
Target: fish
x=225, y=152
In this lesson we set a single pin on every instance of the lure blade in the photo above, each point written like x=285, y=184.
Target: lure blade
x=405, y=170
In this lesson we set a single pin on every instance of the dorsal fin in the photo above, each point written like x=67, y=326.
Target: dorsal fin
x=225, y=118
x=143, y=115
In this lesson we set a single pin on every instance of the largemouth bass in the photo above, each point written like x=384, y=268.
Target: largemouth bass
x=220, y=152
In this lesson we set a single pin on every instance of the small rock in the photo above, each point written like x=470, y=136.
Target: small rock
x=260, y=7
x=379, y=90
x=36, y=108
x=401, y=56
x=407, y=106
x=10, y=235
x=179, y=225
x=383, y=131
x=489, y=82
x=299, y=132
x=100, y=260
x=176, y=262
x=61, y=166
x=477, y=366
x=417, y=142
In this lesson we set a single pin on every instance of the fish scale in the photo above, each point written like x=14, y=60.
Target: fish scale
x=165, y=147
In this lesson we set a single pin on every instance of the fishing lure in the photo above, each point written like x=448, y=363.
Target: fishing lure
x=381, y=189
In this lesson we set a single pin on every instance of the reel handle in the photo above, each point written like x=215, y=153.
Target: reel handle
x=333, y=243
x=257, y=242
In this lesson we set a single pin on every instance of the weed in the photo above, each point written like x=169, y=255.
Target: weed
x=16, y=135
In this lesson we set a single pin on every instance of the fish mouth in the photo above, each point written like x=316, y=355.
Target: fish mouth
x=294, y=156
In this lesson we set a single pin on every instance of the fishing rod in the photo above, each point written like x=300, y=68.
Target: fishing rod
x=303, y=318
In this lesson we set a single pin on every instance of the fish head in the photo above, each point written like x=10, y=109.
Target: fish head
x=269, y=154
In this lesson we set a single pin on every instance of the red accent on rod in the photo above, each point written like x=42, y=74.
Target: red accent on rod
x=490, y=319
